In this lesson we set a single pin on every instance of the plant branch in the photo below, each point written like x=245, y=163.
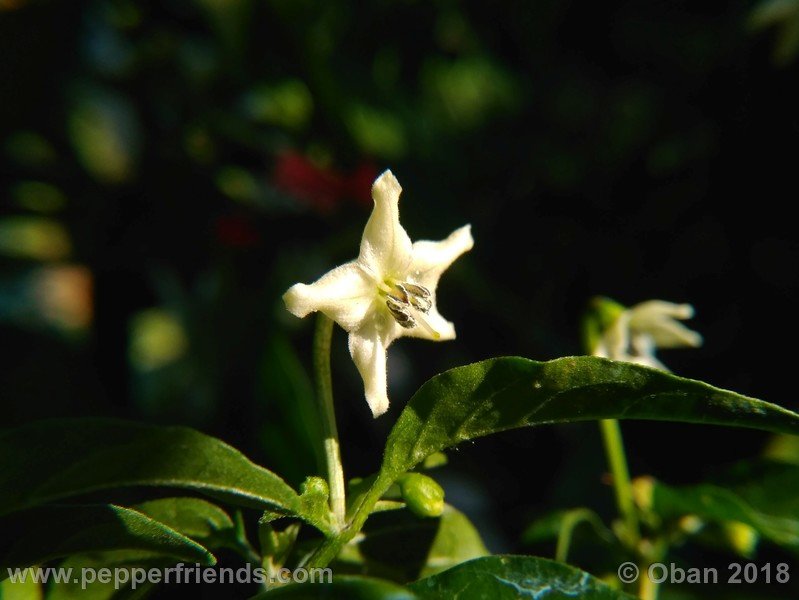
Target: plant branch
x=324, y=393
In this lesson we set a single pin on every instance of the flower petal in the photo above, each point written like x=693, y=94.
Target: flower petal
x=344, y=294
x=368, y=350
x=658, y=319
x=643, y=345
x=385, y=246
x=615, y=340
x=431, y=259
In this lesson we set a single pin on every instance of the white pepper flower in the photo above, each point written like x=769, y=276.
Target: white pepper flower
x=633, y=334
x=388, y=292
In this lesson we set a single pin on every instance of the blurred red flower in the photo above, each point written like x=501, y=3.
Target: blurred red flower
x=236, y=231
x=322, y=188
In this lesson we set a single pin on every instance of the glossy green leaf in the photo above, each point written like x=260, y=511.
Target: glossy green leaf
x=513, y=577
x=504, y=393
x=50, y=460
x=342, y=588
x=43, y=534
x=401, y=546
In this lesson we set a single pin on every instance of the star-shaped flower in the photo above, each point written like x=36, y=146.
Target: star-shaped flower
x=388, y=292
x=633, y=334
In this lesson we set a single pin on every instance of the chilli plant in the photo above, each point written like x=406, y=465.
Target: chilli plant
x=66, y=496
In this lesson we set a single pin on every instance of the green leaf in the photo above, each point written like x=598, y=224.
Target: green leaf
x=21, y=590
x=117, y=561
x=551, y=525
x=343, y=588
x=276, y=545
x=513, y=577
x=504, y=393
x=43, y=534
x=762, y=495
x=50, y=460
x=768, y=484
x=208, y=525
x=400, y=546
x=561, y=525
x=195, y=518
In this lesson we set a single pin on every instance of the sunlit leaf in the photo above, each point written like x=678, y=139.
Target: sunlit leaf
x=24, y=589
x=513, y=577
x=504, y=393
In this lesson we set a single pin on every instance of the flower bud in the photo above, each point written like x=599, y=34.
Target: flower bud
x=601, y=315
x=314, y=486
x=423, y=496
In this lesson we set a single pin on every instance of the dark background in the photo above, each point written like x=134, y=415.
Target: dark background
x=170, y=168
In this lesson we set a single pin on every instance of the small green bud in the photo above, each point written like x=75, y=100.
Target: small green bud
x=436, y=459
x=602, y=313
x=742, y=537
x=314, y=486
x=423, y=496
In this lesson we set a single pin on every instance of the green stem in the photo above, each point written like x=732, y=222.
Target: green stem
x=563, y=544
x=617, y=460
x=647, y=589
x=324, y=392
x=330, y=547
x=569, y=523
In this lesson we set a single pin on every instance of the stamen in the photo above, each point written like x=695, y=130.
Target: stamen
x=423, y=304
x=402, y=293
x=418, y=296
x=417, y=290
x=400, y=311
x=402, y=298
